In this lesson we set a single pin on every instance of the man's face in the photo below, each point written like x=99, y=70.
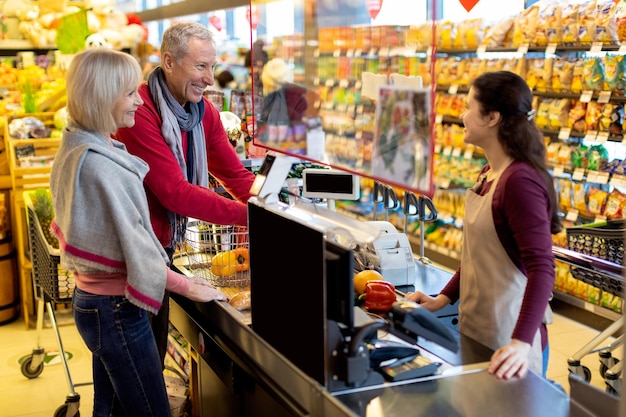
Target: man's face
x=188, y=78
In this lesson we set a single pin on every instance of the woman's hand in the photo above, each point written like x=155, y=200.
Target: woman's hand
x=511, y=361
x=200, y=290
x=428, y=302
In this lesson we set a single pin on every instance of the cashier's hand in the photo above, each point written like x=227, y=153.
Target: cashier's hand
x=511, y=360
x=200, y=290
x=428, y=302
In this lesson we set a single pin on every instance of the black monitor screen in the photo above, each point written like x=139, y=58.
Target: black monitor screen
x=339, y=284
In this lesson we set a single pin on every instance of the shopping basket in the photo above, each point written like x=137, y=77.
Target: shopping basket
x=54, y=285
x=218, y=253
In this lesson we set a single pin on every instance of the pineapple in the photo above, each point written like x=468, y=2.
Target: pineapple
x=42, y=204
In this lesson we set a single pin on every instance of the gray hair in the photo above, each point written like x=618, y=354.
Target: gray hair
x=96, y=80
x=176, y=38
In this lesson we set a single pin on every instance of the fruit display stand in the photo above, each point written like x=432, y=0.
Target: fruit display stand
x=27, y=175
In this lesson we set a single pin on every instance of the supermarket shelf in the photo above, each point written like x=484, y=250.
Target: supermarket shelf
x=584, y=305
x=5, y=182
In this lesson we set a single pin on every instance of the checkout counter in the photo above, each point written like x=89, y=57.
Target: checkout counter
x=286, y=356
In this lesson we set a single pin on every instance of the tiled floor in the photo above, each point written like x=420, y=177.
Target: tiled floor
x=40, y=397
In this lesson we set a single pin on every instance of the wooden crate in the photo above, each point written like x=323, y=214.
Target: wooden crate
x=32, y=172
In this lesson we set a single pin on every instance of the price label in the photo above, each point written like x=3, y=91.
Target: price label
x=591, y=135
x=350, y=53
x=469, y=154
x=622, y=48
x=437, y=147
x=316, y=53
x=618, y=180
x=558, y=170
x=551, y=49
x=438, y=118
x=358, y=52
x=337, y=53
x=586, y=96
x=600, y=218
x=352, y=109
x=523, y=49
x=454, y=88
x=329, y=83
x=596, y=47
x=481, y=49
x=578, y=174
x=602, y=178
x=564, y=133
x=604, y=97
x=456, y=152
x=602, y=137
x=445, y=183
x=592, y=176
x=343, y=83
x=384, y=51
x=447, y=151
x=572, y=215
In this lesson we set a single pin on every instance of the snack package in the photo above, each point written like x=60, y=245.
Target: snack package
x=606, y=30
x=587, y=21
x=539, y=75
x=469, y=34
x=446, y=31
x=615, y=74
x=597, y=157
x=578, y=75
x=558, y=113
x=579, y=196
x=549, y=24
x=593, y=74
x=577, y=113
x=592, y=117
x=525, y=26
x=620, y=21
x=614, y=208
x=515, y=65
x=552, y=152
x=611, y=118
x=596, y=200
x=569, y=22
x=562, y=74
x=497, y=34
x=565, y=194
x=542, y=118
x=579, y=157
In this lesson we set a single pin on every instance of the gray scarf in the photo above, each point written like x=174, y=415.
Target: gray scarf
x=175, y=118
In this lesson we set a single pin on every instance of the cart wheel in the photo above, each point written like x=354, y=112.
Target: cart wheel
x=604, y=368
x=28, y=372
x=62, y=412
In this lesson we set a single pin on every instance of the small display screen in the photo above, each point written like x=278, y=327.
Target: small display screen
x=324, y=183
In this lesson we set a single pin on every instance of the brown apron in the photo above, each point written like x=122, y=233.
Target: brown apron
x=491, y=287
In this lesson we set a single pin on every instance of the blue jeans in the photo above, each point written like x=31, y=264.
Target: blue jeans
x=127, y=373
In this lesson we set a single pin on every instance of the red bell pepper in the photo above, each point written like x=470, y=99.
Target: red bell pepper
x=379, y=295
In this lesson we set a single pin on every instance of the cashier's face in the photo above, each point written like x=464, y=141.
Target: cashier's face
x=478, y=126
x=125, y=108
x=188, y=78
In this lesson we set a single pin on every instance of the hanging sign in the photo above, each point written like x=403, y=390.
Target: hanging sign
x=253, y=15
x=468, y=4
x=373, y=7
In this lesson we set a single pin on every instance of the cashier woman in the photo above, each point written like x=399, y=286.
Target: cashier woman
x=506, y=276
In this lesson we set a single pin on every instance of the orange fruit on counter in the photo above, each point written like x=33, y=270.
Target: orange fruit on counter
x=361, y=278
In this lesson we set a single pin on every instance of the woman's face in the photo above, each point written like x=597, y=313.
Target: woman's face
x=477, y=125
x=188, y=78
x=125, y=108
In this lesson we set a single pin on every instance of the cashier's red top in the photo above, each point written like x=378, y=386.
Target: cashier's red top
x=166, y=186
x=522, y=213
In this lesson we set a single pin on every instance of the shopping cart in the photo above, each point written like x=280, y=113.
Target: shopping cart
x=53, y=285
x=217, y=253
x=608, y=276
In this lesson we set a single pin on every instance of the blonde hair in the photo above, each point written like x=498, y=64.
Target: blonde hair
x=96, y=80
